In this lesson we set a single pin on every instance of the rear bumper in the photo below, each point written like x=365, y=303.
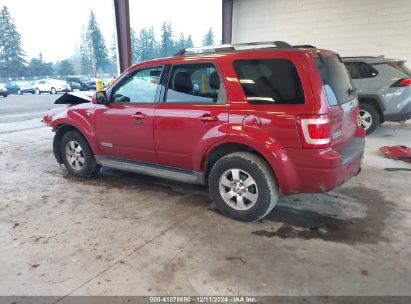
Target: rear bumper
x=318, y=170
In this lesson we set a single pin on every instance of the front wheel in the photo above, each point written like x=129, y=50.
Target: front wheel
x=243, y=186
x=19, y=92
x=53, y=91
x=37, y=91
x=77, y=155
x=368, y=118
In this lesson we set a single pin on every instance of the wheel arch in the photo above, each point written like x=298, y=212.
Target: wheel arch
x=223, y=149
x=61, y=130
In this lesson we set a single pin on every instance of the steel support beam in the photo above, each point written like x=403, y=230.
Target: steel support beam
x=227, y=20
x=122, y=17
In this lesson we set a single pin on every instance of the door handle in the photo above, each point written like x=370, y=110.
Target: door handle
x=139, y=116
x=208, y=117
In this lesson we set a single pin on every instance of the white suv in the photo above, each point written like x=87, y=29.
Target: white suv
x=51, y=86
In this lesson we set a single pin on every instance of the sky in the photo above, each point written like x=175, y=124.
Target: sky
x=53, y=27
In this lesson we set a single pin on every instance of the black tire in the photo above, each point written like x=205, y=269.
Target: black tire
x=5, y=95
x=266, y=189
x=19, y=92
x=368, y=118
x=90, y=167
x=53, y=91
x=37, y=91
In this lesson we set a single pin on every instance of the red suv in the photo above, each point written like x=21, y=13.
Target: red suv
x=251, y=120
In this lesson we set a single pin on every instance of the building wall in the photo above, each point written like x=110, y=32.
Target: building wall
x=350, y=27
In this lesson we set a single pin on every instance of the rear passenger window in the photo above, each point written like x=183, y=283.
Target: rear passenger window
x=353, y=69
x=270, y=81
x=195, y=83
x=359, y=70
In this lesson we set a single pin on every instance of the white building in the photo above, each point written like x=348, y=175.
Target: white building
x=350, y=27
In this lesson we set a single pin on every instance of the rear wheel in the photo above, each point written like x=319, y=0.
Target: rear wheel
x=243, y=186
x=19, y=92
x=368, y=118
x=77, y=155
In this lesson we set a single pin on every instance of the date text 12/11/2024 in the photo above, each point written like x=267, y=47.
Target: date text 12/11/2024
x=202, y=299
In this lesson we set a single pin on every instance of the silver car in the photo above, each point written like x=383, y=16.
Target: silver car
x=384, y=89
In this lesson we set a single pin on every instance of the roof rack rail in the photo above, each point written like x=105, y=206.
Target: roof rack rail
x=233, y=47
x=304, y=46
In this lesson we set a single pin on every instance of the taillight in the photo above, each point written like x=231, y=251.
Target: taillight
x=404, y=82
x=315, y=131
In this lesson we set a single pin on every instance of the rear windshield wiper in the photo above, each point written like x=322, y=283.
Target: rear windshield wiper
x=351, y=91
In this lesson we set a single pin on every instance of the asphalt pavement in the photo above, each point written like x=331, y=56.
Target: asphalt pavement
x=24, y=112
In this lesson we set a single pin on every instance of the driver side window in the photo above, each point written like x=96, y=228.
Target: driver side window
x=138, y=87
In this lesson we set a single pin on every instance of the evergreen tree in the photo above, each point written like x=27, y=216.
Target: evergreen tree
x=39, y=68
x=113, y=50
x=113, y=54
x=181, y=43
x=167, y=43
x=12, y=62
x=148, y=46
x=189, y=42
x=85, y=54
x=134, y=47
x=66, y=68
x=76, y=60
x=208, y=38
x=97, y=46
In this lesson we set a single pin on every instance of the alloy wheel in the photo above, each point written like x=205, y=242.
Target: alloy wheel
x=75, y=155
x=238, y=189
x=364, y=119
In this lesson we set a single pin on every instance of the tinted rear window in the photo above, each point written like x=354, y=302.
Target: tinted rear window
x=270, y=81
x=336, y=81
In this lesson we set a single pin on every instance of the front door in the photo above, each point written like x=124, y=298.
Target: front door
x=124, y=128
x=193, y=115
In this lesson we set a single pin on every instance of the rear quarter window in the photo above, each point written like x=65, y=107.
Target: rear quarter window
x=336, y=81
x=393, y=70
x=270, y=81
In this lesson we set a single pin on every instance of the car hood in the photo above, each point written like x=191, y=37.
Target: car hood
x=74, y=98
x=74, y=101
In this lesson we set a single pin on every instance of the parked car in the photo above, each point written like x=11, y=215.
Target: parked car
x=12, y=87
x=26, y=87
x=384, y=89
x=51, y=86
x=250, y=123
x=3, y=90
x=82, y=83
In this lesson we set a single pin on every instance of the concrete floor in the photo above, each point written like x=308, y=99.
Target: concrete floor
x=126, y=234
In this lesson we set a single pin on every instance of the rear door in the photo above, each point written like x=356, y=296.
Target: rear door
x=342, y=102
x=192, y=116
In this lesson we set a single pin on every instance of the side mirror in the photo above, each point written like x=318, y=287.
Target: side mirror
x=100, y=97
